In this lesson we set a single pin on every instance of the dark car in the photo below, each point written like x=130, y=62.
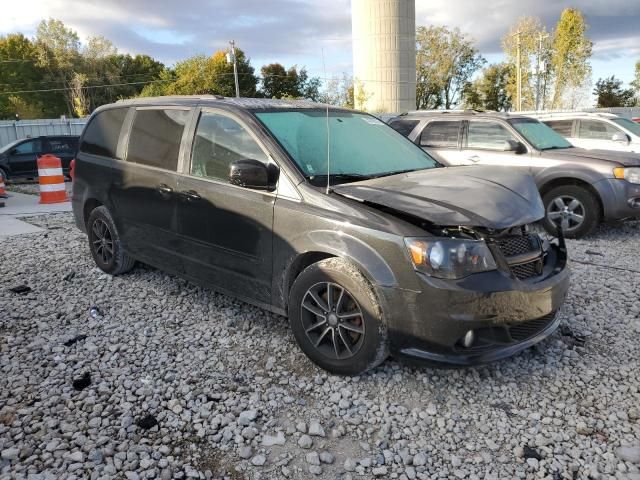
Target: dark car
x=579, y=188
x=19, y=159
x=368, y=246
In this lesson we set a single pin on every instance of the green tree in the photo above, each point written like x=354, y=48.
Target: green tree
x=445, y=62
x=609, y=93
x=489, y=91
x=338, y=91
x=570, y=58
x=277, y=82
x=535, y=54
x=19, y=71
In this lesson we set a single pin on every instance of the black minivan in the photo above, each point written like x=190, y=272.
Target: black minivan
x=327, y=216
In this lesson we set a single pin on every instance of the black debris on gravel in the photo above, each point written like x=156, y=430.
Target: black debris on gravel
x=69, y=276
x=75, y=339
x=531, y=453
x=593, y=252
x=570, y=338
x=20, y=289
x=82, y=382
x=147, y=422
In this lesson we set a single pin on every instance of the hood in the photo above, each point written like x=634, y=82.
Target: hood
x=627, y=159
x=475, y=196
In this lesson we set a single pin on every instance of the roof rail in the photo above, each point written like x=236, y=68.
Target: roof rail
x=171, y=97
x=560, y=113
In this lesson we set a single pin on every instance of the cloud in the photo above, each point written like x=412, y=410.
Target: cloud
x=295, y=31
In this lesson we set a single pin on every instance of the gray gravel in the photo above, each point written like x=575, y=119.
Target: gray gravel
x=170, y=380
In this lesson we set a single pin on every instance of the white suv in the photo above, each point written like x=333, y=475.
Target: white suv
x=594, y=131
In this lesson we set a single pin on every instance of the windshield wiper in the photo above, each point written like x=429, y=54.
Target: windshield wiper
x=397, y=172
x=555, y=147
x=342, y=177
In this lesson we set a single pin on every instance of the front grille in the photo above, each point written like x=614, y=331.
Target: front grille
x=515, y=245
x=525, y=330
x=527, y=270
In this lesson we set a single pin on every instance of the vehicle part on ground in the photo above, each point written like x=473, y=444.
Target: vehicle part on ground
x=105, y=245
x=572, y=208
x=336, y=318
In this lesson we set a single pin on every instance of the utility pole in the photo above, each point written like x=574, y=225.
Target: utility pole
x=540, y=67
x=231, y=56
x=518, y=72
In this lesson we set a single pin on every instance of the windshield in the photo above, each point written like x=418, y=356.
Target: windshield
x=10, y=145
x=361, y=145
x=627, y=124
x=538, y=134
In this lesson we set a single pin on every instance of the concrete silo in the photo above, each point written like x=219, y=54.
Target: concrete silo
x=384, y=54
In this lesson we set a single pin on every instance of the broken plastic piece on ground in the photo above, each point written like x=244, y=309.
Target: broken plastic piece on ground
x=20, y=289
x=95, y=312
x=592, y=252
x=75, y=339
x=531, y=453
x=69, y=276
x=83, y=382
x=571, y=338
x=147, y=422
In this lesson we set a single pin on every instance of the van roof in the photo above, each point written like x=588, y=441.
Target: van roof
x=243, y=103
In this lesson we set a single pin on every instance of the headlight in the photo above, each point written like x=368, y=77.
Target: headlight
x=631, y=175
x=449, y=258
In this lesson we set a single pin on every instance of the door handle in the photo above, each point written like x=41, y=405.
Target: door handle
x=164, y=190
x=190, y=196
x=474, y=158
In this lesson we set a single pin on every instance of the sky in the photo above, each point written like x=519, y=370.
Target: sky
x=302, y=32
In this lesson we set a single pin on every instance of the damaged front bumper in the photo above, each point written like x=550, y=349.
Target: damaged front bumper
x=505, y=314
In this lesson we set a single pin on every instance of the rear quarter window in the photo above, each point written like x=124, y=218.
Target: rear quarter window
x=563, y=127
x=404, y=127
x=441, y=134
x=102, y=134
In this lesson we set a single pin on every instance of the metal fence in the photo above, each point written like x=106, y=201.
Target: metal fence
x=14, y=130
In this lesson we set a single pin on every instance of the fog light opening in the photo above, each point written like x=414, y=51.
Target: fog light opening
x=468, y=339
x=634, y=202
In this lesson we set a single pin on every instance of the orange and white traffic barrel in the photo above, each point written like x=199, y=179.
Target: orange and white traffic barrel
x=3, y=192
x=51, y=180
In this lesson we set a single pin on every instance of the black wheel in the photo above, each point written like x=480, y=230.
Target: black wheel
x=573, y=208
x=105, y=245
x=336, y=318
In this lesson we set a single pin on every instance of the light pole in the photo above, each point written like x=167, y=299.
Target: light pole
x=541, y=65
x=519, y=72
x=231, y=57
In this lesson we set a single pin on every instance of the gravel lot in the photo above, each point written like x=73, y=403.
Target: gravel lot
x=170, y=380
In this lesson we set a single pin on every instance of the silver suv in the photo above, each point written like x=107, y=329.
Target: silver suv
x=579, y=188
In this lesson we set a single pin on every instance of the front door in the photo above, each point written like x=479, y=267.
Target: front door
x=23, y=158
x=486, y=143
x=226, y=230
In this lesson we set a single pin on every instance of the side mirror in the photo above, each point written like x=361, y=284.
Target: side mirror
x=620, y=137
x=13, y=151
x=250, y=173
x=514, y=146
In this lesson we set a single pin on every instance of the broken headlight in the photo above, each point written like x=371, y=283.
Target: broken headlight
x=449, y=258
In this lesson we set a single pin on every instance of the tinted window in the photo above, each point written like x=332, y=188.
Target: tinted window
x=440, y=134
x=155, y=138
x=102, y=133
x=63, y=145
x=628, y=124
x=488, y=135
x=563, y=127
x=405, y=127
x=595, y=130
x=220, y=141
x=32, y=146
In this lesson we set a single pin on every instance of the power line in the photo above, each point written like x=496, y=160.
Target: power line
x=87, y=87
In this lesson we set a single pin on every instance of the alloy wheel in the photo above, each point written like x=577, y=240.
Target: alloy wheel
x=102, y=241
x=566, y=212
x=332, y=320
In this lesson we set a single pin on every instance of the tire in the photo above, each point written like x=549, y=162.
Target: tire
x=3, y=174
x=102, y=233
x=578, y=202
x=347, y=346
